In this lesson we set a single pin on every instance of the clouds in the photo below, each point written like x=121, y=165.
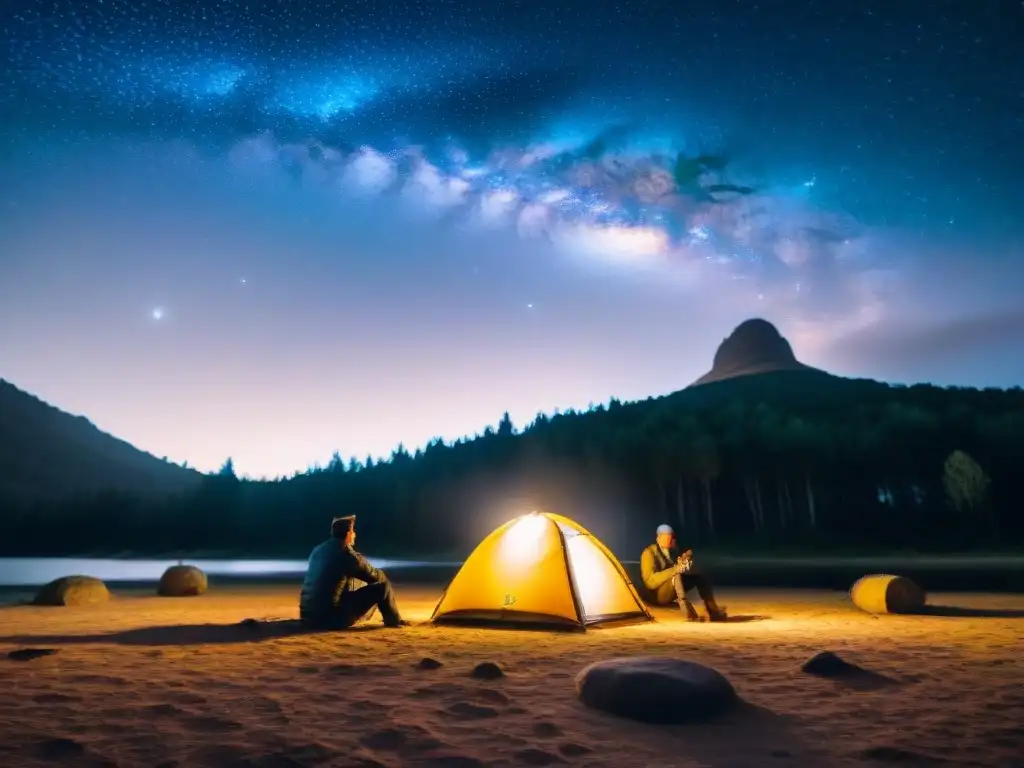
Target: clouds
x=843, y=290
x=971, y=345
x=608, y=210
x=367, y=171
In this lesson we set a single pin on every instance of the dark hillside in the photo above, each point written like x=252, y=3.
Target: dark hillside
x=47, y=454
x=788, y=459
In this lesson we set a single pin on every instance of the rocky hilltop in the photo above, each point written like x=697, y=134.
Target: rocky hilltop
x=755, y=346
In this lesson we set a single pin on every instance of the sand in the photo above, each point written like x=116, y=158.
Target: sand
x=150, y=681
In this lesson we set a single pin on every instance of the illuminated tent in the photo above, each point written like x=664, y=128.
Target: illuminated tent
x=541, y=569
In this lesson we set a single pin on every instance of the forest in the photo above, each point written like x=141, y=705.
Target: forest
x=785, y=461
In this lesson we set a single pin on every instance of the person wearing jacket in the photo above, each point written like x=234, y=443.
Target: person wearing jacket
x=669, y=575
x=341, y=588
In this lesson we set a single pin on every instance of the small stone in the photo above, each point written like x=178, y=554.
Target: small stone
x=27, y=654
x=53, y=750
x=828, y=664
x=487, y=670
x=428, y=663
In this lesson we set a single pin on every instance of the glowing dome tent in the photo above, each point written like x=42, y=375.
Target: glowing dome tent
x=541, y=569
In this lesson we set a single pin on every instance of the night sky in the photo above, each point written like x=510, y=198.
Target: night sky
x=274, y=229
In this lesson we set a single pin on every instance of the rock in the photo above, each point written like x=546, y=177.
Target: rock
x=182, y=581
x=885, y=593
x=897, y=755
x=487, y=670
x=755, y=346
x=655, y=690
x=828, y=664
x=60, y=749
x=428, y=663
x=249, y=623
x=73, y=591
x=27, y=654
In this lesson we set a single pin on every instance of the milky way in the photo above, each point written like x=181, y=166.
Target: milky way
x=831, y=168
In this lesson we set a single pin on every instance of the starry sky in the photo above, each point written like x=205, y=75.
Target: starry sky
x=274, y=229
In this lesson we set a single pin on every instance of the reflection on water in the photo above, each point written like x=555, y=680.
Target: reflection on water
x=31, y=571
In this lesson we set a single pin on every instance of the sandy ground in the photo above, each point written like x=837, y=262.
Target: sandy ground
x=148, y=681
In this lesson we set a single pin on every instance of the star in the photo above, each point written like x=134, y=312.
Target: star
x=157, y=314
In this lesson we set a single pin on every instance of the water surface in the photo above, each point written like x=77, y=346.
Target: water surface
x=33, y=571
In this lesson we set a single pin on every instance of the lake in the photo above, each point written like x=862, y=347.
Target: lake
x=936, y=573
x=35, y=571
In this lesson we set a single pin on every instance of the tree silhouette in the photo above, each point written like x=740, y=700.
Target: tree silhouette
x=336, y=464
x=787, y=457
x=705, y=463
x=965, y=482
x=505, y=427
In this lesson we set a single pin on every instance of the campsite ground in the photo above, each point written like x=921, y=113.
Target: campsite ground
x=153, y=681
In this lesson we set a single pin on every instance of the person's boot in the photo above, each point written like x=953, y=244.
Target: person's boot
x=716, y=612
x=688, y=610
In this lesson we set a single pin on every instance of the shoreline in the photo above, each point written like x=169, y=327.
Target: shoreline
x=961, y=573
x=724, y=557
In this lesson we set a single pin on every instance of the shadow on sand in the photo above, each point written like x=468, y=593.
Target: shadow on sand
x=971, y=613
x=728, y=739
x=868, y=681
x=248, y=631
x=671, y=615
x=860, y=679
x=830, y=666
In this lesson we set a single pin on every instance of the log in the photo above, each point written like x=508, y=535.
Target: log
x=880, y=593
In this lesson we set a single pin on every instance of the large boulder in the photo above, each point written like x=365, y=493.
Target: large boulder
x=755, y=346
x=655, y=690
x=182, y=581
x=885, y=593
x=73, y=591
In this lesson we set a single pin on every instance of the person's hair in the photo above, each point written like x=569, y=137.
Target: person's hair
x=340, y=526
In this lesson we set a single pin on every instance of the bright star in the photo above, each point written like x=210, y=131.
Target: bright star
x=158, y=314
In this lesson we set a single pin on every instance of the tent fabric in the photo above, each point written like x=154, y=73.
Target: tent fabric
x=541, y=568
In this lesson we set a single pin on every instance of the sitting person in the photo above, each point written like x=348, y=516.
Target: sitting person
x=668, y=576
x=330, y=598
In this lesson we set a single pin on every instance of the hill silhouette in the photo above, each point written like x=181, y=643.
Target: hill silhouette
x=48, y=454
x=754, y=347
x=763, y=451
